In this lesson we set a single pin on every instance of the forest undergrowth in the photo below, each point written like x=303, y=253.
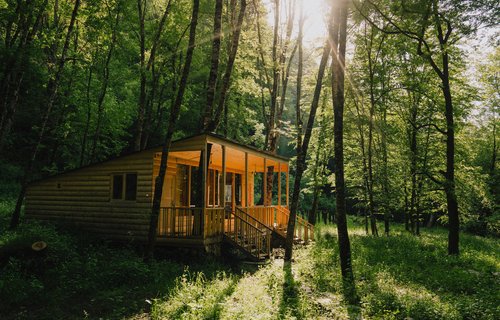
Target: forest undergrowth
x=397, y=277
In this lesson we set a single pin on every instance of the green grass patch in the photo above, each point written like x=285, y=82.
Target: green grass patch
x=403, y=276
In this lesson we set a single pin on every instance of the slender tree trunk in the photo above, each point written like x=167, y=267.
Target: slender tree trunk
x=174, y=115
x=284, y=74
x=451, y=197
x=338, y=35
x=52, y=89
x=276, y=78
x=226, y=79
x=385, y=169
x=300, y=67
x=104, y=89
x=87, y=122
x=150, y=68
x=302, y=152
x=406, y=209
x=413, y=160
x=449, y=185
x=371, y=73
x=141, y=9
x=364, y=164
x=214, y=66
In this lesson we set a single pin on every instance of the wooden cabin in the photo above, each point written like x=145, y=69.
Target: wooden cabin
x=114, y=198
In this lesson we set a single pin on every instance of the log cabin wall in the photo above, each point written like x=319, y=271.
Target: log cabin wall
x=87, y=197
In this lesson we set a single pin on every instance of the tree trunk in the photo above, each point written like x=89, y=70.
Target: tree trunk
x=150, y=68
x=302, y=152
x=141, y=9
x=338, y=35
x=371, y=74
x=214, y=66
x=413, y=161
x=52, y=89
x=449, y=186
x=226, y=79
x=87, y=121
x=104, y=89
x=174, y=115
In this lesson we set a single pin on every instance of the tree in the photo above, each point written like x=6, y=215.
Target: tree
x=338, y=35
x=52, y=92
x=302, y=149
x=174, y=115
x=431, y=25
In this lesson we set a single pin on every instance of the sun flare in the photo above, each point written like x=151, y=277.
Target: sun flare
x=315, y=13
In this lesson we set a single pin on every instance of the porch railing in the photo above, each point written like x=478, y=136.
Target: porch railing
x=248, y=233
x=214, y=222
x=264, y=215
x=303, y=229
x=180, y=222
x=184, y=222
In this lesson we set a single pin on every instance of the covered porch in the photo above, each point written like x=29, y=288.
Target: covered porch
x=239, y=190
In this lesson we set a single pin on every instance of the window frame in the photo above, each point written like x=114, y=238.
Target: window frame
x=124, y=187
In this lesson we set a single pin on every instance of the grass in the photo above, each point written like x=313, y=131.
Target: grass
x=397, y=277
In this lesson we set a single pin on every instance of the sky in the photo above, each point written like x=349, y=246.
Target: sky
x=315, y=12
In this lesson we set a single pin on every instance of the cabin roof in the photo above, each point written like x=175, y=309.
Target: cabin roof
x=216, y=138
x=176, y=144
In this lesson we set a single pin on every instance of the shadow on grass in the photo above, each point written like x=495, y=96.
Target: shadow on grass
x=352, y=299
x=80, y=278
x=290, y=297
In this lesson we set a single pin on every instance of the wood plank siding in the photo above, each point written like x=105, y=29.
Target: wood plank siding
x=84, y=198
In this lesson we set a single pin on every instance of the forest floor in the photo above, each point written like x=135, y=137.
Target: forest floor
x=397, y=277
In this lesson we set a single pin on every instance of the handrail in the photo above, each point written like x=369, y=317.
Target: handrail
x=306, y=225
x=264, y=214
x=248, y=236
x=246, y=215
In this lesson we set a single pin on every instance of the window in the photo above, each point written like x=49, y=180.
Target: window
x=117, y=186
x=131, y=186
x=124, y=186
x=182, y=185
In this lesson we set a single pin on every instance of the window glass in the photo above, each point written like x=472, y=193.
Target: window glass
x=182, y=185
x=131, y=186
x=195, y=187
x=237, y=187
x=258, y=188
x=117, y=186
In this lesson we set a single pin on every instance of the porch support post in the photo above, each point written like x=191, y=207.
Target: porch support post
x=246, y=179
x=223, y=184
x=205, y=189
x=189, y=186
x=279, y=183
x=204, y=178
x=264, y=177
x=287, y=183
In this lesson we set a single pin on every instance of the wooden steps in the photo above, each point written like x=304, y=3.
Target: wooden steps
x=253, y=237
